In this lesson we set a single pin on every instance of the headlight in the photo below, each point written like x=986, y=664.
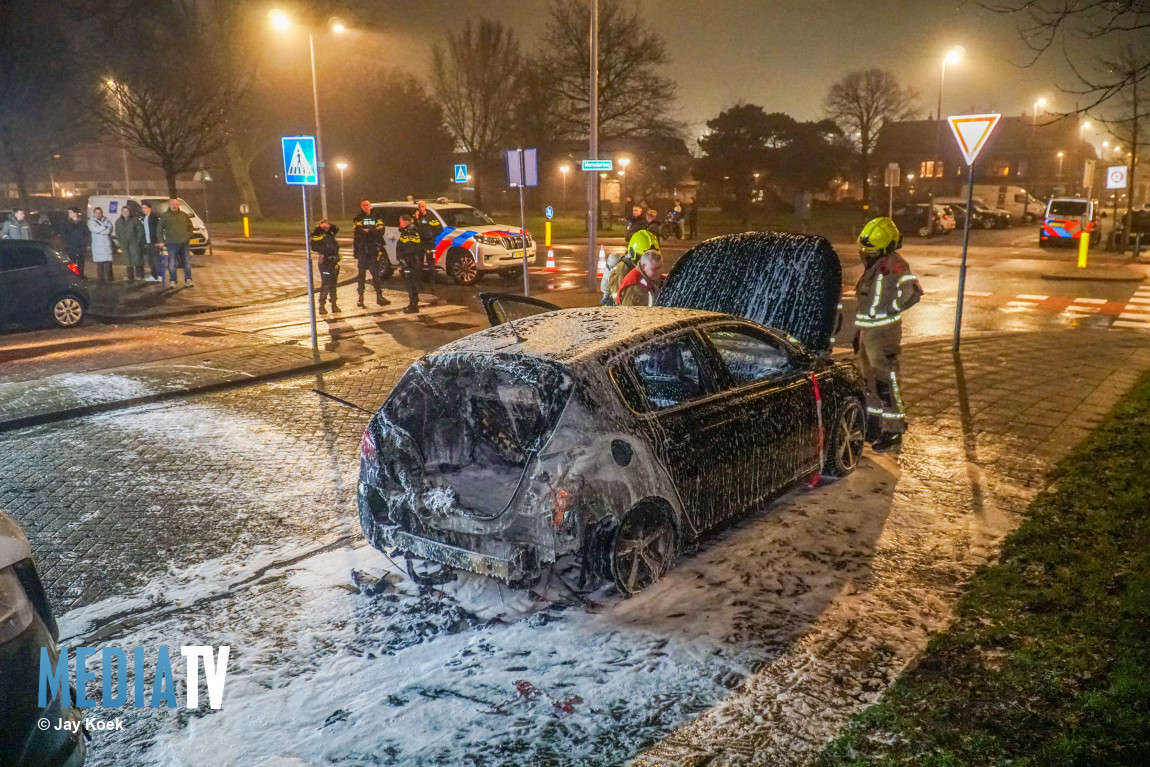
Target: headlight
x=485, y=240
x=15, y=609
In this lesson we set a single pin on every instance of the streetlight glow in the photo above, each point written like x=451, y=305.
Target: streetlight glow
x=955, y=54
x=564, y=168
x=337, y=27
x=341, y=165
x=624, y=161
x=280, y=20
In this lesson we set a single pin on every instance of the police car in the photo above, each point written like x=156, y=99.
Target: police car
x=469, y=245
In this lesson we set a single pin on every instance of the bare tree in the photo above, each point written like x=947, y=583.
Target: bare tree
x=1127, y=118
x=861, y=104
x=634, y=100
x=476, y=73
x=1052, y=24
x=43, y=95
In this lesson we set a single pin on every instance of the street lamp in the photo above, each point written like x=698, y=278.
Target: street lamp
x=1040, y=102
x=283, y=22
x=564, y=169
x=1082, y=129
x=953, y=56
x=623, y=163
x=342, y=193
x=123, y=144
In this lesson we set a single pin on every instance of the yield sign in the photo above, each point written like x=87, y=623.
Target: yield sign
x=971, y=132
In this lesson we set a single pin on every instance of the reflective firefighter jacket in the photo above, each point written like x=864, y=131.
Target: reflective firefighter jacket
x=429, y=226
x=409, y=246
x=886, y=289
x=367, y=235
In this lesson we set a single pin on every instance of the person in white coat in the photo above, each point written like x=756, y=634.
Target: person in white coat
x=101, y=229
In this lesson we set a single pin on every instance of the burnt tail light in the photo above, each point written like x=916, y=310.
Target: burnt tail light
x=560, y=512
x=367, y=449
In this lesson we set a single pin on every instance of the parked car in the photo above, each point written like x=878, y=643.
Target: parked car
x=922, y=219
x=111, y=205
x=985, y=217
x=1015, y=200
x=27, y=625
x=469, y=245
x=47, y=224
x=1065, y=220
x=617, y=434
x=946, y=217
x=38, y=284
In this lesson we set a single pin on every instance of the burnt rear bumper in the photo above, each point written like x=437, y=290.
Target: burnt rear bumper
x=521, y=563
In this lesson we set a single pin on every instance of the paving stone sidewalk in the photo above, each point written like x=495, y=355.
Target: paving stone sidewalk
x=986, y=425
x=61, y=396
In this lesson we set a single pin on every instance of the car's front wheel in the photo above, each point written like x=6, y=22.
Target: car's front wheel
x=67, y=311
x=989, y=223
x=846, y=440
x=643, y=549
x=924, y=231
x=463, y=269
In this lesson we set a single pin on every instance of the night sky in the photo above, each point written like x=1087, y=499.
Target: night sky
x=784, y=54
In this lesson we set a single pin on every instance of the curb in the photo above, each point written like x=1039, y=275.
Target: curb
x=67, y=414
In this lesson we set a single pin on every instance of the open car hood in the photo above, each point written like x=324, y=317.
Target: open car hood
x=790, y=282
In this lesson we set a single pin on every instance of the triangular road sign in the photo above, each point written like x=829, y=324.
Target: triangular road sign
x=299, y=165
x=971, y=132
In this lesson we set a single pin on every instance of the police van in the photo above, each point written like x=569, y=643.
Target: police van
x=111, y=204
x=1065, y=220
x=469, y=243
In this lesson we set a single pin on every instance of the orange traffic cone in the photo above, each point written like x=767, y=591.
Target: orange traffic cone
x=551, y=261
x=601, y=269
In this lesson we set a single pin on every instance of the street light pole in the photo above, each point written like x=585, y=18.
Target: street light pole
x=318, y=131
x=123, y=143
x=563, y=169
x=952, y=56
x=342, y=191
x=593, y=178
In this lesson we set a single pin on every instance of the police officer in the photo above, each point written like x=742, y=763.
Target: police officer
x=367, y=245
x=886, y=289
x=409, y=253
x=430, y=227
x=326, y=248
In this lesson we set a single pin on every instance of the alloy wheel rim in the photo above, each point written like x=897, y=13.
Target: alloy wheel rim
x=465, y=268
x=851, y=438
x=67, y=311
x=642, y=554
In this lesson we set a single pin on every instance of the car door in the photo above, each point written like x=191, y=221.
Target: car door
x=502, y=307
x=390, y=218
x=671, y=385
x=25, y=285
x=772, y=390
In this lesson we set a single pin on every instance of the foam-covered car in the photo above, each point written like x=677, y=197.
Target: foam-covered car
x=617, y=434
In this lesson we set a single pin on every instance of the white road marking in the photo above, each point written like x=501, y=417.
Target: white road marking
x=1090, y=300
x=978, y=293
x=1137, y=325
x=1028, y=297
x=1134, y=316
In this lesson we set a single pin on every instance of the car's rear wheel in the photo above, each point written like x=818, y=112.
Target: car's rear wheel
x=67, y=311
x=989, y=223
x=642, y=550
x=463, y=269
x=847, y=438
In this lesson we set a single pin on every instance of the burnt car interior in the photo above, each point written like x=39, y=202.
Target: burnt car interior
x=748, y=358
x=670, y=374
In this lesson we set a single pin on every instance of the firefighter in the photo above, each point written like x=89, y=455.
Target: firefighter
x=326, y=248
x=886, y=289
x=430, y=227
x=409, y=253
x=367, y=245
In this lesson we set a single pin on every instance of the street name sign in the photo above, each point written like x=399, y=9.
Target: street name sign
x=1116, y=177
x=598, y=165
x=300, y=167
x=461, y=174
x=971, y=133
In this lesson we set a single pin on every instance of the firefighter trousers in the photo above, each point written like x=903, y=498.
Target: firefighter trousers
x=878, y=358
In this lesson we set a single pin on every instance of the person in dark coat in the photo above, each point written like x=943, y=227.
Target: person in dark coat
x=153, y=245
x=129, y=231
x=367, y=246
x=430, y=227
x=75, y=239
x=635, y=221
x=326, y=248
x=409, y=253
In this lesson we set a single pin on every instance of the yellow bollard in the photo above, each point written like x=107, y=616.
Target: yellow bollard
x=1083, y=247
x=247, y=232
x=547, y=233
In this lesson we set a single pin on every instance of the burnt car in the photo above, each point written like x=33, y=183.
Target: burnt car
x=617, y=434
x=26, y=626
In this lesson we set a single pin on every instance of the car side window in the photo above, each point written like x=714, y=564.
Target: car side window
x=671, y=373
x=748, y=357
x=21, y=258
x=390, y=216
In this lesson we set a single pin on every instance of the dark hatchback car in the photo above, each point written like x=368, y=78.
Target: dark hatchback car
x=618, y=434
x=922, y=220
x=37, y=284
x=26, y=626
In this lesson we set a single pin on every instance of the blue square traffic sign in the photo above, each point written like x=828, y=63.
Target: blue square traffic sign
x=461, y=174
x=300, y=165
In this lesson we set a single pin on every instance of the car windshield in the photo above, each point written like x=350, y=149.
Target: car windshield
x=463, y=217
x=1072, y=208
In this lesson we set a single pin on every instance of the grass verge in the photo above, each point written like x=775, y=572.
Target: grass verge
x=1048, y=661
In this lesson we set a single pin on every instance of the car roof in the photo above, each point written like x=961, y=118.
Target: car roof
x=415, y=203
x=570, y=336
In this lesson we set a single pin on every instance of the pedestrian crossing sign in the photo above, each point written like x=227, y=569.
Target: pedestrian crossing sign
x=971, y=132
x=300, y=164
x=461, y=174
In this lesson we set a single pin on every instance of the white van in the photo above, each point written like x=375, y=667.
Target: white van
x=1015, y=200
x=112, y=203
